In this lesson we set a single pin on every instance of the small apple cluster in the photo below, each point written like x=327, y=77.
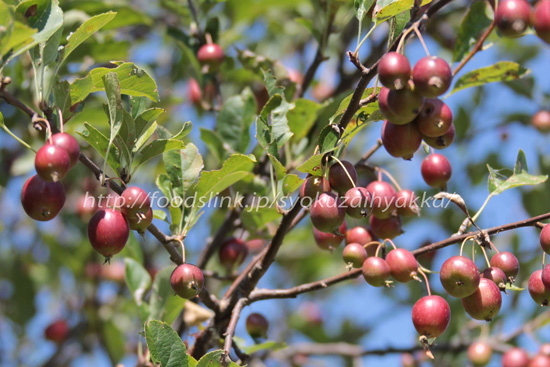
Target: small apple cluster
x=539, y=281
x=513, y=18
x=378, y=199
x=109, y=228
x=43, y=195
x=210, y=56
x=408, y=100
x=480, y=353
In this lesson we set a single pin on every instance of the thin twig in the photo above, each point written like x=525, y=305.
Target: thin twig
x=477, y=47
x=230, y=332
x=262, y=294
x=370, y=152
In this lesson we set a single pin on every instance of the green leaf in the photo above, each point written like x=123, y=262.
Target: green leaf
x=87, y=29
x=214, y=143
x=366, y=110
x=272, y=130
x=502, y=71
x=280, y=170
x=160, y=214
x=328, y=138
x=256, y=217
x=138, y=281
x=499, y=183
x=156, y=148
x=145, y=119
x=192, y=361
x=392, y=9
x=47, y=20
x=271, y=84
x=312, y=165
x=165, y=185
x=235, y=168
x=474, y=22
x=114, y=102
x=140, y=142
x=183, y=167
x=521, y=163
x=165, y=345
x=361, y=8
x=291, y=183
x=511, y=287
x=101, y=143
x=302, y=117
x=133, y=81
x=15, y=34
x=133, y=249
x=398, y=25
x=62, y=97
x=268, y=345
x=114, y=340
x=50, y=48
x=184, y=131
x=162, y=296
x=214, y=359
x=237, y=114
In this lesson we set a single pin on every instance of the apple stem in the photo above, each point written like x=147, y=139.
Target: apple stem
x=401, y=44
x=36, y=119
x=543, y=258
x=427, y=281
x=390, y=177
x=487, y=258
x=182, y=249
x=391, y=242
x=419, y=35
x=208, y=38
x=60, y=113
x=345, y=170
x=493, y=246
x=464, y=242
x=377, y=247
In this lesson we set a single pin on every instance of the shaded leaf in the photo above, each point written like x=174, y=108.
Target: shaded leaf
x=474, y=22
x=237, y=114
